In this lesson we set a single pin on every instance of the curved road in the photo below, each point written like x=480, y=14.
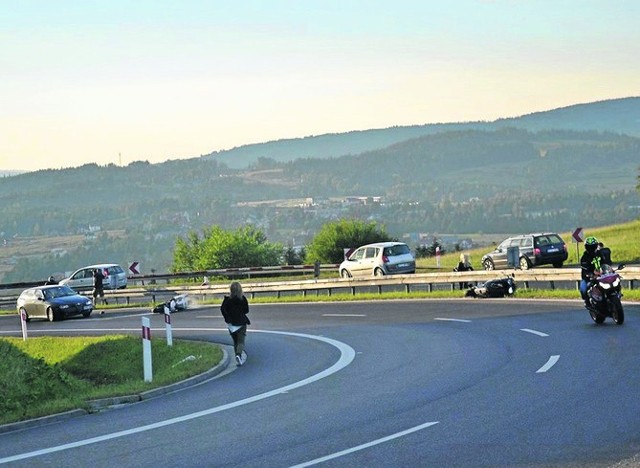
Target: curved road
x=455, y=383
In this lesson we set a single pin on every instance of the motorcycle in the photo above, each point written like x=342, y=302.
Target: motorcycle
x=175, y=304
x=604, y=293
x=501, y=287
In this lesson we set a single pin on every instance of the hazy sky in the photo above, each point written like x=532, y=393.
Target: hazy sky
x=112, y=81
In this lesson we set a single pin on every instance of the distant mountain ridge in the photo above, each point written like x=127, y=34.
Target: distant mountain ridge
x=614, y=115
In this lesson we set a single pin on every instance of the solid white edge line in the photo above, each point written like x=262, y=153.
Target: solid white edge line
x=528, y=330
x=347, y=354
x=550, y=363
x=367, y=445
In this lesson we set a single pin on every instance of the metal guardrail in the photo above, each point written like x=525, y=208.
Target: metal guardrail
x=424, y=281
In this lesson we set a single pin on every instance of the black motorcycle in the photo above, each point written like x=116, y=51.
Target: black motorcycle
x=501, y=287
x=604, y=293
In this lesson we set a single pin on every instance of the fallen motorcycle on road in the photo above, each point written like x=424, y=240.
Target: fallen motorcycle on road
x=501, y=287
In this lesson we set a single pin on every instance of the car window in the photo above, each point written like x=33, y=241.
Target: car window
x=505, y=244
x=542, y=240
x=526, y=242
x=358, y=254
x=514, y=243
x=370, y=252
x=555, y=239
x=399, y=249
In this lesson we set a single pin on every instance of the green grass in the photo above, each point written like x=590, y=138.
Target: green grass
x=47, y=375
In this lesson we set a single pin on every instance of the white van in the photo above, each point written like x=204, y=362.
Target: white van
x=82, y=279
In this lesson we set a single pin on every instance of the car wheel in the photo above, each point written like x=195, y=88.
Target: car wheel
x=378, y=272
x=487, y=264
x=524, y=263
x=51, y=317
x=345, y=274
x=26, y=316
x=86, y=314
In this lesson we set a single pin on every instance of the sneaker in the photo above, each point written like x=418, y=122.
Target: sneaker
x=243, y=357
x=238, y=360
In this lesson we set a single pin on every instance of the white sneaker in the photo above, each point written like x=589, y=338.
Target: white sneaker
x=243, y=357
x=239, y=361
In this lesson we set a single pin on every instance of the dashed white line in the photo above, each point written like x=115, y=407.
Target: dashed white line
x=535, y=332
x=364, y=446
x=344, y=315
x=550, y=363
x=452, y=320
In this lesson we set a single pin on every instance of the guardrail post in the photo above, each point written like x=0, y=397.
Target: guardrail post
x=429, y=287
x=552, y=285
x=353, y=290
x=407, y=288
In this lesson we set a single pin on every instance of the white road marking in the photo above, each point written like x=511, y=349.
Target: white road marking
x=347, y=354
x=533, y=331
x=344, y=315
x=452, y=320
x=365, y=446
x=550, y=363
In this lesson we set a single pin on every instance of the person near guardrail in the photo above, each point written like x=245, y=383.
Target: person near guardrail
x=235, y=308
x=50, y=281
x=98, y=287
x=464, y=265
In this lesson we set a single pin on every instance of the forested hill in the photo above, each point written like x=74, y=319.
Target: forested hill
x=614, y=115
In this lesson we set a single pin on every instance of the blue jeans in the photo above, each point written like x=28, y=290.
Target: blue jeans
x=584, y=284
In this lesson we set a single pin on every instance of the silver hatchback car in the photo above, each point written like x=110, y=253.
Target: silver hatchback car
x=379, y=259
x=82, y=279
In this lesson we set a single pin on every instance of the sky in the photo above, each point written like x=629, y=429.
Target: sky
x=114, y=81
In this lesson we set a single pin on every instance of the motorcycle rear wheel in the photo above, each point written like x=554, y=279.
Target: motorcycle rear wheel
x=618, y=312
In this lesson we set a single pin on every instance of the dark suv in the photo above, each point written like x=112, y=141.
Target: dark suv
x=533, y=250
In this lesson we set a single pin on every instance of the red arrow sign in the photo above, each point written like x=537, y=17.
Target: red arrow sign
x=133, y=268
x=578, y=235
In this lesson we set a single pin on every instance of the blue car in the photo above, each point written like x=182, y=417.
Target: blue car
x=53, y=303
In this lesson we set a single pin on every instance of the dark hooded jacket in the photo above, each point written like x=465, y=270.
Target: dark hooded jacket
x=235, y=310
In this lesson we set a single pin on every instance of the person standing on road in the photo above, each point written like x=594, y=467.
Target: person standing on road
x=98, y=286
x=235, y=308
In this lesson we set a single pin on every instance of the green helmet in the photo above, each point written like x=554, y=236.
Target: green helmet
x=591, y=244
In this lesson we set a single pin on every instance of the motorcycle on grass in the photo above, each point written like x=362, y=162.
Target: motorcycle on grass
x=604, y=293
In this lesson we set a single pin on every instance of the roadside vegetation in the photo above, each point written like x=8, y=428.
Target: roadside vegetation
x=48, y=375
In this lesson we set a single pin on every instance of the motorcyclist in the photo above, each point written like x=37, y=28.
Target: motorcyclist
x=590, y=264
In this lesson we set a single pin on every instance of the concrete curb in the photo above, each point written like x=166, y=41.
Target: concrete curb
x=103, y=403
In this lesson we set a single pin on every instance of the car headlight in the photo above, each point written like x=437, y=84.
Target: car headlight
x=64, y=306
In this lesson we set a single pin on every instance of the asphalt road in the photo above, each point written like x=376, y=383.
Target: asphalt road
x=448, y=383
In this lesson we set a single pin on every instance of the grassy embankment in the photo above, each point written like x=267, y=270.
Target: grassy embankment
x=48, y=375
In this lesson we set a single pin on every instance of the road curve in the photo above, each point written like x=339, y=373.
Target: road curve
x=397, y=383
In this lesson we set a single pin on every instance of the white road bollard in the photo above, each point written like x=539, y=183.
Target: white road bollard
x=146, y=350
x=23, y=324
x=167, y=322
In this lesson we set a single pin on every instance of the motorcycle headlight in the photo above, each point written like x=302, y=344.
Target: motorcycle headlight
x=616, y=283
x=605, y=285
